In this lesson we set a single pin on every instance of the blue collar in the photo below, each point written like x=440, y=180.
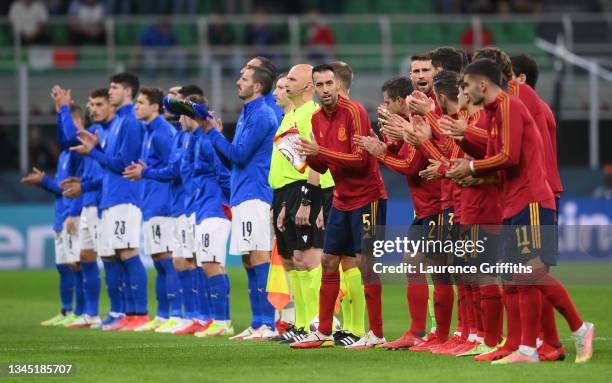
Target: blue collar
x=125, y=110
x=256, y=103
x=157, y=121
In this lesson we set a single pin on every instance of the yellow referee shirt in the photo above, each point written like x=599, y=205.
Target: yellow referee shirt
x=281, y=171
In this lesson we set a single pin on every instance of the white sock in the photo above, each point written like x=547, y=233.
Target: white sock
x=457, y=333
x=526, y=350
x=472, y=337
x=480, y=339
x=581, y=331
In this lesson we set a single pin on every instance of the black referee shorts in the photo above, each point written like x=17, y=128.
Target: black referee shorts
x=296, y=237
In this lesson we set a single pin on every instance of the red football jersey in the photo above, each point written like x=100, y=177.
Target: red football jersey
x=425, y=194
x=515, y=147
x=535, y=106
x=356, y=173
x=480, y=204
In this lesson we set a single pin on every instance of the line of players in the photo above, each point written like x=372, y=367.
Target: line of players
x=477, y=146
x=463, y=151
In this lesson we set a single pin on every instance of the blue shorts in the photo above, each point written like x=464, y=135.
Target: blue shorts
x=350, y=232
x=430, y=228
x=531, y=234
x=451, y=228
x=488, y=236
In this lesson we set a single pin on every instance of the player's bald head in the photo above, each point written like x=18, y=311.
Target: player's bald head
x=299, y=81
x=301, y=72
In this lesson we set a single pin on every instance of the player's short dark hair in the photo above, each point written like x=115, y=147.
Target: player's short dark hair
x=446, y=83
x=99, y=92
x=500, y=57
x=398, y=87
x=155, y=96
x=464, y=56
x=198, y=99
x=343, y=72
x=264, y=78
x=127, y=80
x=188, y=90
x=486, y=68
x=266, y=64
x=425, y=56
x=323, y=68
x=525, y=64
x=448, y=58
x=77, y=111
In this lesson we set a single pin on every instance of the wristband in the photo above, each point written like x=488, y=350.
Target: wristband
x=472, y=170
x=310, y=193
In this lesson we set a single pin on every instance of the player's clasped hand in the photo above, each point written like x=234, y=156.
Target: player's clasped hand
x=370, y=144
x=394, y=126
x=460, y=168
x=88, y=142
x=134, y=171
x=307, y=148
x=432, y=172
x=453, y=128
x=71, y=187
x=35, y=178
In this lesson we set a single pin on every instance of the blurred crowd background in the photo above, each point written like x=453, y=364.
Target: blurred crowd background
x=79, y=43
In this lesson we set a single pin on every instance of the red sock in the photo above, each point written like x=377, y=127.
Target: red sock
x=373, y=297
x=470, y=320
x=549, y=324
x=459, y=305
x=330, y=286
x=530, y=301
x=477, y=310
x=465, y=324
x=490, y=303
x=553, y=291
x=417, y=294
x=513, y=317
x=444, y=297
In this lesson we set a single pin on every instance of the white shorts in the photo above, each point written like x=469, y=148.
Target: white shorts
x=119, y=229
x=211, y=240
x=183, y=237
x=251, y=227
x=88, y=228
x=158, y=235
x=60, y=252
x=72, y=246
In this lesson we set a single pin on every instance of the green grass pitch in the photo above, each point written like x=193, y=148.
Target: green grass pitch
x=26, y=298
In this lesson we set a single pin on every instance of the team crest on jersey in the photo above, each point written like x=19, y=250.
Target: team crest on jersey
x=342, y=133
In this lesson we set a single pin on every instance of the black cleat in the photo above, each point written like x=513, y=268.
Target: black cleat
x=344, y=338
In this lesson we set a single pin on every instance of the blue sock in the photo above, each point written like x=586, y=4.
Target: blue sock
x=137, y=277
x=127, y=297
x=254, y=298
x=197, y=281
x=91, y=287
x=218, y=296
x=161, y=294
x=186, y=278
x=205, y=308
x=227, y=299
x=79, y=307
x=267, y=310
x=112, y=277
x=173, y=289
x=66, y=286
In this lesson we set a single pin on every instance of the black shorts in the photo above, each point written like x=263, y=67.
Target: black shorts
x=430, y=228
x=481, y=244
x=530, y=234
x=451, y=228
x=352, y=232
x=296, y=237
x=328, y=198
